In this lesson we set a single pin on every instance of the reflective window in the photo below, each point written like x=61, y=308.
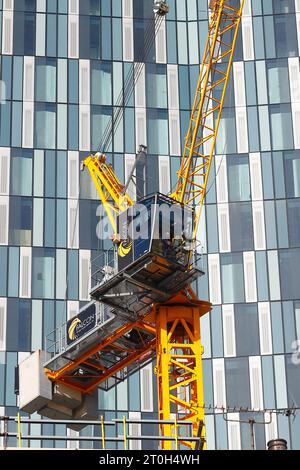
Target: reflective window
x=90, y=37
x=19, y=325
x=293, y=381
x=144, y=47
x=101, y=83
x=158, y=133
x=283, y=6
x=232, y=273
x=241, y=227
x=278, y=81
x=292, y=173
x=285, y=35
x=24, y=33
x=237, y=382
x=293, y=211
x=43, y=264
x=88, y=224
x=89, y=7
x=281, y=126
x=246, y=329
x=289, y=262
x=156, y=85
x=45, y=80
x=45, y=126
x=101, y=118
x=20, y=221
x=21, y=172
x=238, y=178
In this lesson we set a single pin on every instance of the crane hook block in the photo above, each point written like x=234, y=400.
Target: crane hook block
x=160, y=8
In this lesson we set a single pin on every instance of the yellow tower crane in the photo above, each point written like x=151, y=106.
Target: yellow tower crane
x=172, y=322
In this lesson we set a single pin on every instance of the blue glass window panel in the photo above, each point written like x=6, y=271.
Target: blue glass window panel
x=101, y=118
x=226, y=142
x=237, y=382
x=258, y=34
x=257, y=7
x=268, y=382
x=278, y=81
x=250, y=79
x=282, y=227
x=171, y=42
x=88, y=224
x=13, y=272
x=90, y=37
x=16, y=124
x=106, y=38
x=184, y=87
x=241, y=227
x=73, y=81
x=232, y=277
x=212, y=229
x=158, y=132
x=221, y=433
x=281, y=126
x=134, y=392
x=284, y=6
x=289, y=326
x=117, y=8
x=20, y=221
x=50, y=184
x=156, y=86
x=101, y=83
x=5, y=126
x=43, y=266
x=73, y=127
x=45, y=126
x=271, y=230
x=278, y=166
x=292, y=173
x=246, y=329
x=286, y=35
x=12, y=361
x=45, y=80
x=208, y=383
x=24, y=33
x=293, y=381
x=17, y=78
x=143, y=30
x=152, y=172
x=262, y=276
x=62, y=36
x=3, y=270
x=277, y=328
x=49, y=240
x=289, y=263
x=267, y=172
x=239, y=178
x=51, y=35
x=89, y=7
x=18, y=336
x=25, y=5
x=51, y=6
x=117, y=39
x=63, y=6
x=48, y=318
x=293, y=211
x=142, y=9
x=73, y=274
x=269, y=37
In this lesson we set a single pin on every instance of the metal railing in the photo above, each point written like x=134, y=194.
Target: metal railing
x=103, y=439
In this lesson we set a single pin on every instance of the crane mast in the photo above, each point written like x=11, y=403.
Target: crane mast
x=174, y=321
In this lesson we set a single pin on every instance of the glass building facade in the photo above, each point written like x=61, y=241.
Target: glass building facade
x=63, y=65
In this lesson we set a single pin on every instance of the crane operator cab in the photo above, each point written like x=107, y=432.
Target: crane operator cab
x=154, y=245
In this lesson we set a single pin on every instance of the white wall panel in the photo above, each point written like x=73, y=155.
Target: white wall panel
x=214, y=278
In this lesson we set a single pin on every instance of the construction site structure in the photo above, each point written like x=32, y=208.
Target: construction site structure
x=143, y=305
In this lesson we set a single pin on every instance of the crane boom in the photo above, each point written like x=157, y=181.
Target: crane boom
x=208, y=105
